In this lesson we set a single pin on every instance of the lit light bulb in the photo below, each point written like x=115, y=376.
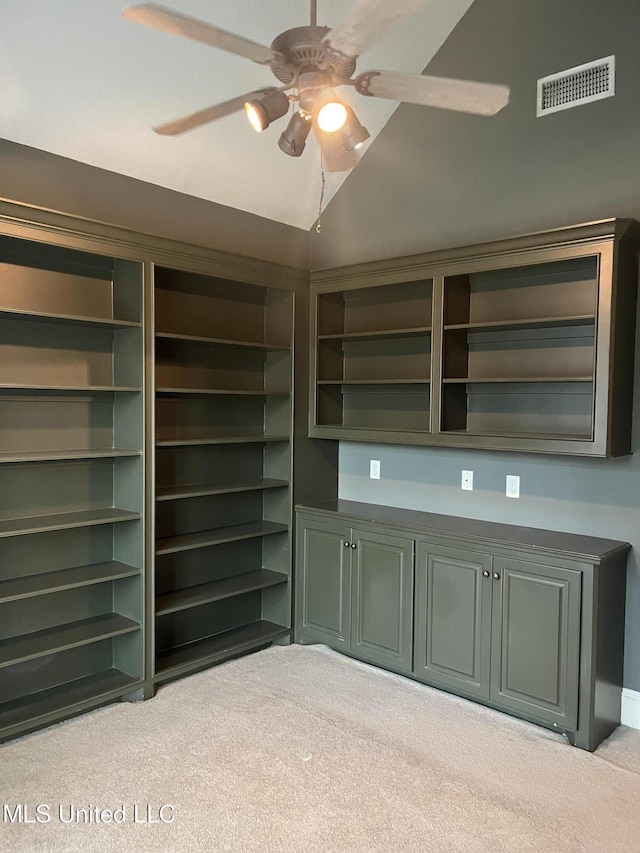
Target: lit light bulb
x=332, y=117
x=256, y=120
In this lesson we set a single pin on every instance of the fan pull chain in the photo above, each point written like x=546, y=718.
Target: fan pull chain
x=323, y=181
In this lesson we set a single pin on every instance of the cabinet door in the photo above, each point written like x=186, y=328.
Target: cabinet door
x=535, y=640
x=382, y=595
x=324, y=583
x=453, y=619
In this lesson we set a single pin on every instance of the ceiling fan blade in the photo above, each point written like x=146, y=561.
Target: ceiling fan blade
x=160, y=18
x=465, y=96
x=180, y=125
x=368, y=21
x=334, y=156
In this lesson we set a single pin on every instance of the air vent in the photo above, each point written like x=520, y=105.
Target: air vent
x=579, y=85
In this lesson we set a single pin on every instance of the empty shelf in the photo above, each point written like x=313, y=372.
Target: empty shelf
x=536, y=323
x=88, y=691
x=374, y=381
x=418, y=331
x=220, y=439
x=66, y=319
x=77, y=389
x=64, y=520
x=204, y=652
x=224, y=392
x=217, y=536
x=47, y=582
x=61, y=455
x=60, y=638
x=516, y=380
x=205, y=593
x=173, y=493
x=198, y=339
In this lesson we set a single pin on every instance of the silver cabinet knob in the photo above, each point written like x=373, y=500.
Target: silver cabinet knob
x=354, y=546
x=486, y=574
x=496, y=576
x=346, y=544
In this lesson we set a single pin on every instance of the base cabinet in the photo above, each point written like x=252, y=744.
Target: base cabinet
x=355, y=592
x=530, y=622
x=499, y=629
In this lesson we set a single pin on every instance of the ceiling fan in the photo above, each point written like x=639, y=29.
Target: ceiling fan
x=310, y=62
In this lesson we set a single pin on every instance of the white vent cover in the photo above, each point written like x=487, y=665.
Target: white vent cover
x=579, y=85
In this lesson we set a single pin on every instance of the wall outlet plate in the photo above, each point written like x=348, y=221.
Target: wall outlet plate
x=466, y=482
x=513, y=486
x=374, y=469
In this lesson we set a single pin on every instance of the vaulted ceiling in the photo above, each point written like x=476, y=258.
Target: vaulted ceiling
x=78, y=80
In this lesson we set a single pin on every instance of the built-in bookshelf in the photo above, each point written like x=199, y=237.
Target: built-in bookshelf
x=71, y=481
x=374, y=357
x=223, y=445
x=524, y=344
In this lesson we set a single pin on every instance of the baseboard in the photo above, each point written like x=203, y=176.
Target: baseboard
x=630, y=708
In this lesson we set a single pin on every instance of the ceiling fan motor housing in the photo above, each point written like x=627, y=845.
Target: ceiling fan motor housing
x=304, y=49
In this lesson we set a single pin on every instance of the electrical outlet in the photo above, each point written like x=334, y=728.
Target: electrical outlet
x=374, y=469
x=513, y=486
x=467, y=481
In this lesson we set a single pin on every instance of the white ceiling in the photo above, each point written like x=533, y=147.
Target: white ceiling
x=78, y=80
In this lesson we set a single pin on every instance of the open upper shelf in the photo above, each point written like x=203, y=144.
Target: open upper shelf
x=530, y=347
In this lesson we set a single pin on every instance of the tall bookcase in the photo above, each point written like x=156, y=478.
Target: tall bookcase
x=71, y=481
x=223, y=468
x=146, y=460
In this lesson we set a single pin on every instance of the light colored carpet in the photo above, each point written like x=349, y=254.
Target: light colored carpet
x=301, y=749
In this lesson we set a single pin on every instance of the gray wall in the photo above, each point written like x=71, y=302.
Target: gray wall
x=36, y=177
x=434, y=180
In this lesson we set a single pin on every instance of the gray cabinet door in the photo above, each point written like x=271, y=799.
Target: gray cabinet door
x=324, y=583
x=382, y=596
x=535, y=640
x=453, y=619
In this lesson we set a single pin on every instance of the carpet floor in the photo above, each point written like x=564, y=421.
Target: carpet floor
x=302, y=749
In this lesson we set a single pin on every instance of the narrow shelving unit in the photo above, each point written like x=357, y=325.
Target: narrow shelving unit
x=373, y=362
x=223, y=445
x=71, y=482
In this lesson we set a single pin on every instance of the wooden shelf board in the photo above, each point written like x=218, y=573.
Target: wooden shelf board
x=202, y=653
x=77, y=576
x=225, y=392
x=549, y=436
x=536, y=323
x=62, y=455
x=204, y=593
x=226, y=439
x=82, y=389
x=64, y=520
x=86, y=691
x=418, y=331
x=217, y=536
x=63, y=637
x=66, y=319
x=374, y=382
x=516, y=380
x=173, y=493
x=198, y=339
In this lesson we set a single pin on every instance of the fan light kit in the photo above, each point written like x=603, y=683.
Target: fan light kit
x=311, y=62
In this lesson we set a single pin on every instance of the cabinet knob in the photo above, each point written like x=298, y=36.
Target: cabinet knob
x=354, y=546
x=346, y=544
x=486, y=574
x=496, y=576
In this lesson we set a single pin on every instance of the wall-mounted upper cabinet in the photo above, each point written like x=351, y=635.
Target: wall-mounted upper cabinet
x=527, y=344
